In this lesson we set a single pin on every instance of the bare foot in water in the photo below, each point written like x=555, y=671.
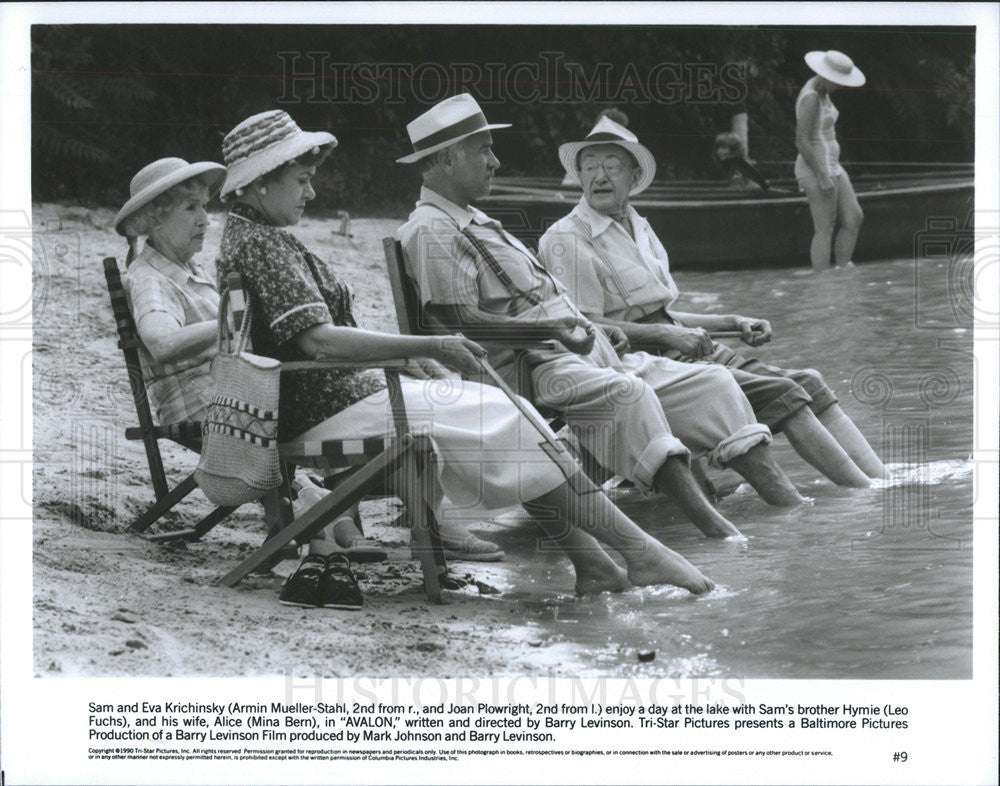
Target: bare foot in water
x=656, y=564
x=603, y=578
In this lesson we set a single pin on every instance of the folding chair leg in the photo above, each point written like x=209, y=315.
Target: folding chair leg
x=415, y=479
x=198, y=531
x=165, y=503
x=324, y=511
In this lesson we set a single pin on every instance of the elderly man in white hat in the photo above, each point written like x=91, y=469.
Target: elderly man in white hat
x=617, y=272
x=478, y=279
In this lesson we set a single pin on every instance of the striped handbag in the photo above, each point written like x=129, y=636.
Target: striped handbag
x=239, y=447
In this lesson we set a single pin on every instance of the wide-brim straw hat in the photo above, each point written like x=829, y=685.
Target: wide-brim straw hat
x=444, y=124
x=262, y=143
x=835, y=66
x=607, y=131
x=162, y=175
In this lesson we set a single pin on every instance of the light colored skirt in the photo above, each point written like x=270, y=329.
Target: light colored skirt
x=487, y=453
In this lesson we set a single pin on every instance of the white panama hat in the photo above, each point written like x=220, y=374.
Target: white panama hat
x=607, y=131
x=162, y=175
x=835, y=66
x=444, y=124
x=262, y=143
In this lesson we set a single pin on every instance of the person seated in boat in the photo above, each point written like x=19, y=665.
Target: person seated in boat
x=639, y=415
x=727, y=151
x=617, y=272
x=175, y=306
x=487, y=452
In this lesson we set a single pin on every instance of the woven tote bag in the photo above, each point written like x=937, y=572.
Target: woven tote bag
x=239, y=446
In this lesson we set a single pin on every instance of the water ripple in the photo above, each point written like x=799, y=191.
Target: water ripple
x=924, y=473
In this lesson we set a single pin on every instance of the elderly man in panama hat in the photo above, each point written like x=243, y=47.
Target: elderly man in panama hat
x=617, y=272
x=641, y=416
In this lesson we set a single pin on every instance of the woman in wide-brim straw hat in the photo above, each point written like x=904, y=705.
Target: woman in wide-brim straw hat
x=487, y=453
x=174, y=303
x=832, y=201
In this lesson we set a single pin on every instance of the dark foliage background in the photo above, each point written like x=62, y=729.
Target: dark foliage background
x=108, y=99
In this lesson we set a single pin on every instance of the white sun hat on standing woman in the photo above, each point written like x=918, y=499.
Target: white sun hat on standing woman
x=835, y=66
x=264, y=142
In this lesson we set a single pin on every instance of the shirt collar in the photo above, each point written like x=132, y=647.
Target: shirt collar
x=599, y=222
x=250, y=213
x=176, y=273
x=460, y=215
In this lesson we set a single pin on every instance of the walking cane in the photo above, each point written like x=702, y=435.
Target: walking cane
x=557, y=451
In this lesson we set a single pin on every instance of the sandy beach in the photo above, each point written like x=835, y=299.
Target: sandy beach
x=107, y=602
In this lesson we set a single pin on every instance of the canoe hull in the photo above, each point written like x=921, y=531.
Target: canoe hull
x=711, y=228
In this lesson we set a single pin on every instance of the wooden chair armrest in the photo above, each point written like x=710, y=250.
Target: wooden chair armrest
x=185, y=430
x=521, y=345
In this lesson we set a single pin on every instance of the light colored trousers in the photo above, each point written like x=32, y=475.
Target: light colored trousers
x=633, y=412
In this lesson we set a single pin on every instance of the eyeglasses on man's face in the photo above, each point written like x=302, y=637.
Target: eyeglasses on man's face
x=612, y=166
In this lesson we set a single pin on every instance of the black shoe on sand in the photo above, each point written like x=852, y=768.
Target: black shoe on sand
x=338, y=589
x=303, y=587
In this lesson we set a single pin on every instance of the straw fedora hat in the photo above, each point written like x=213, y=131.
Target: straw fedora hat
x=444, y=124
x=608, y=131
x=262, y=143
x=163, y=174
x=835, y=66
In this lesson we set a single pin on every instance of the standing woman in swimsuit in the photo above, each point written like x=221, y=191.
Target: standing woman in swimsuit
x=831, y=196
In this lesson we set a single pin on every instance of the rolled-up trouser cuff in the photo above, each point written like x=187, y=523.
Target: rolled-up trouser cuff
x=777, y=409
x=738, y=443
x=822, y=397
x=653, y=457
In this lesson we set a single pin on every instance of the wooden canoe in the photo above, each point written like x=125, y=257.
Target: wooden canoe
x=707, y=225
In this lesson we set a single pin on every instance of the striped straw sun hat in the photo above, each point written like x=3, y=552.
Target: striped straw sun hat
x=262, y=143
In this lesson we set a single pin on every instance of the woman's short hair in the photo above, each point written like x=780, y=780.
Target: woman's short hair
x=148, y=217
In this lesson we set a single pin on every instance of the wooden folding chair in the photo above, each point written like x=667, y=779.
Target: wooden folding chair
x=186, y=433
x=369, y=464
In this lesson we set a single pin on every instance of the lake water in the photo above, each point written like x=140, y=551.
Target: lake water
x=873, y=583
